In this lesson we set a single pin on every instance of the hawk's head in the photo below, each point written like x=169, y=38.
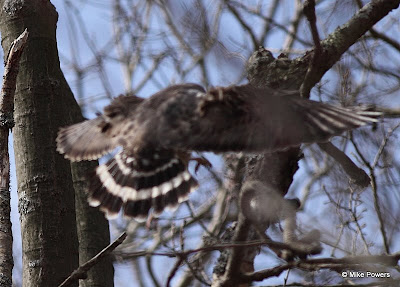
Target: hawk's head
x=119, y=110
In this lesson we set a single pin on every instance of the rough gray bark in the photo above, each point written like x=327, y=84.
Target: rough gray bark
x=46, y=196
x=92, y=227
x=6, y=238
x=43, y=103
x=93, y=231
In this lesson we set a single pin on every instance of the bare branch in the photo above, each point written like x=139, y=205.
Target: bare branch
x=80, y=273
x=309, y=11
x=339, y=41
x=10, y=78
x=374, y=188
x=324, y=263
x=6, y=123
x=240, y=19
x=356, y=174
x=292, y=31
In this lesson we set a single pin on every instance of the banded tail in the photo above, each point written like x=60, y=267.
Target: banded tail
x=139, y=184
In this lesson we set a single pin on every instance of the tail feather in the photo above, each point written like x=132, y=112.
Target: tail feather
x=173, y=197
x=84, y=141
x=138, y=209
x=101, y=197
x=138, y=185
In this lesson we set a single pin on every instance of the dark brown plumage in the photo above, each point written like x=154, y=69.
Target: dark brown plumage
x=158, y=134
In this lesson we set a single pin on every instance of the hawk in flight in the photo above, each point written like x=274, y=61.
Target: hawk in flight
x=158, y=134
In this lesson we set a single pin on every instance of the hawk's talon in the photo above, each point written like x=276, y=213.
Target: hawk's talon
x=201, y=161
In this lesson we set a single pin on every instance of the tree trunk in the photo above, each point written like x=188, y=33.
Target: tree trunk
x=46, y=195
x=93, y=231
x=6, y=239
x=46, y=186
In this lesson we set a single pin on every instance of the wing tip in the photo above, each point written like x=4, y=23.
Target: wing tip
x=83, y=141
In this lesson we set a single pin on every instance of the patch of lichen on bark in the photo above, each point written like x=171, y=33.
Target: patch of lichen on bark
x=264, y=70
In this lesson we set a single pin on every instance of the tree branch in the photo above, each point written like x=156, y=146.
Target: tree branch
x=356, y=174
x=337, y=43
x=6, y=124
x=309, y=11
x=10, y=80
x=323, y=263
x=80, y=273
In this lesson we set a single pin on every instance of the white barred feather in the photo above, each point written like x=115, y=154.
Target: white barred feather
x=84, y=141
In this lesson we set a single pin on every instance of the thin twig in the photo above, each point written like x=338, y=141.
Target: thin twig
x=374, y=188
x=81, y=272
x=293, y=28
x=383, y=145
x=322, y=263
x=174, y=270
x=246, y=27
x=356, y=219
x=268, y=24
x=309, y=11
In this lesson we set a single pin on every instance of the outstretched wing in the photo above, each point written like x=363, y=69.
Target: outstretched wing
x=91, y=139
x=84, y=141
x=244, y=118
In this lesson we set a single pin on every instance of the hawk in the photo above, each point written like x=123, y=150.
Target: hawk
x=157, y=135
